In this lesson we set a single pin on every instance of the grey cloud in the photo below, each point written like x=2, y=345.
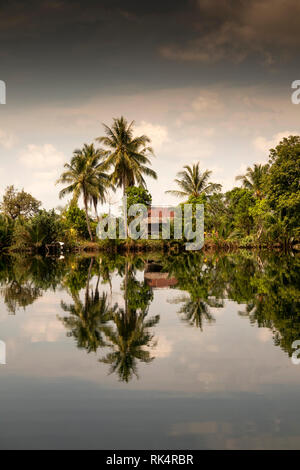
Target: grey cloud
x=239, y=29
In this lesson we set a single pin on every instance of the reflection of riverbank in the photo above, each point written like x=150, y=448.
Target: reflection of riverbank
x=156, y=278
x=159, y=280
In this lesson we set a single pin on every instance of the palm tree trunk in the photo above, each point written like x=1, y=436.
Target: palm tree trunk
x=87, y=289
x=126, y=288
x=87, y=218
x=125, y=206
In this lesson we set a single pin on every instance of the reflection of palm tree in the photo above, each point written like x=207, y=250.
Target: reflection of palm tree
x=128, y=342
x=87, y=320
x=131, y=335
x=196, y=310
x=202, y=281
x=90, y=318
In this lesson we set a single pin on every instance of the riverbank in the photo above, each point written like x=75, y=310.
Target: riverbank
x=172, y=246
x=146, y=246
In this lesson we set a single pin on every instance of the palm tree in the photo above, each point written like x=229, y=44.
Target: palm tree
x=194, y=183
x=128, y=155
x=86, y=176
x=254, y=179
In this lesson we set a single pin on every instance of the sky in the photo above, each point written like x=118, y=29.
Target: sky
x=206, y=80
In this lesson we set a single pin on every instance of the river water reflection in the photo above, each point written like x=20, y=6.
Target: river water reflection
x=182, y=352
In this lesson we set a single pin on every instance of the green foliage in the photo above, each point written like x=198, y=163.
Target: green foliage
x=6, y=231
x=239, y=202
x=283, y=184
x=138, y=195
x=19, y=204
x=42, y=229
x=74, y=220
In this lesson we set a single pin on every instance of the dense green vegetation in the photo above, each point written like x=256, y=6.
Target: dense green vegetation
x=264, y=211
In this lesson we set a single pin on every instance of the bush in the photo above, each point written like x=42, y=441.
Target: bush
x=6, y=231
x=44, y=228
x=74, y=222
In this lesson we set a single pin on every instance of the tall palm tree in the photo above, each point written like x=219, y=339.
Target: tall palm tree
x=128, y=155
x=192, y=182
x=254, y=179
x=85, y=176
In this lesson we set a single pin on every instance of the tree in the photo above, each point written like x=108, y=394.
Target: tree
x=283, y=184
x=6, y=230
x=74, y=219
x=254, y=179
x=136, y=195
x=128, y=155
x=239, y=202
x=42, y=229
x=19, y=203
x=193, y=183
x=85, y=176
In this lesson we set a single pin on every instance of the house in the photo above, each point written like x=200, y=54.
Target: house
x=159, y=218
x=156, y=278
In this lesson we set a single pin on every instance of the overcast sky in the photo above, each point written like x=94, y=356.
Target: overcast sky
x=207, y=80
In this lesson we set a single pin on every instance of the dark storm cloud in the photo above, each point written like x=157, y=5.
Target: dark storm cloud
x=204, y=30
x=65, y=48
x=239, y=29
x=84, y=46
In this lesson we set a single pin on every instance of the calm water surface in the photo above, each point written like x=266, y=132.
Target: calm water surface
x=185, y=352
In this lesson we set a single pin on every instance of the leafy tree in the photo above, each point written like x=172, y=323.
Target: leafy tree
x=19, y=204
x=138, y=195
x=42, y=229
x=239, y=201
x=216, y=213
x=283, y=184
x=74, y=219
x=6, y=231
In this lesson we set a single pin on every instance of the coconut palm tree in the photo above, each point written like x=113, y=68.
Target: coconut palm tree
x=128, y=155
x=193, y=183
x=85, y=176
x=254, y=179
